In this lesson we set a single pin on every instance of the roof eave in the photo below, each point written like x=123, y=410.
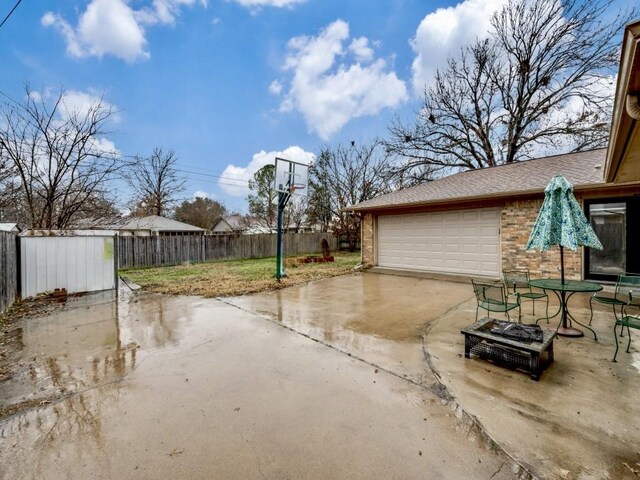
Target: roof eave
x=624, y=126
x=471, y=198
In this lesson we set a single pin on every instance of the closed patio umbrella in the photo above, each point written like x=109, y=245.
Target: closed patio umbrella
x=561, y=222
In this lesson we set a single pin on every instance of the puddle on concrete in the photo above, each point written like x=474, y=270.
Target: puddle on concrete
x=183, y=387
x=378, y=318
x=90, y=340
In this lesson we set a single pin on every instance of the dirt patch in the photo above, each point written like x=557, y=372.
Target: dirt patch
x=237, y=277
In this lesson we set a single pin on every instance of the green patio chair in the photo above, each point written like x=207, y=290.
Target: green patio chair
x=627, y=293
x=626, y=320
x=492, y=297
x=517, y=282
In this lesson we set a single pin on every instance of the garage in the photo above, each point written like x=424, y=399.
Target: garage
x=459, y=241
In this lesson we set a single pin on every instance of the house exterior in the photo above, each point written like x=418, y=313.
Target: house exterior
x=238, y=224
x=152, y=225
x=478, y=222
x=249, y=226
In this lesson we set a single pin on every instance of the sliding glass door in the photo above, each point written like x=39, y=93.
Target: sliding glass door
x=615, y=222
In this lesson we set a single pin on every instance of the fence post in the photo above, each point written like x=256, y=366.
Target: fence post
x=116, y=262
x=18, y=268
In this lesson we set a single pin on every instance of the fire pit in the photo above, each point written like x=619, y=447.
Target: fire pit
x=511, y=345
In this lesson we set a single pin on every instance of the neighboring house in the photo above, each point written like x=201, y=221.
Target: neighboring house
x=10, y=227
x=152, y=225
x=238, y=224
x=248, y=226
x=478, y=222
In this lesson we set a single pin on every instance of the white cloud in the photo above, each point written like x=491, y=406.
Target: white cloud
x=112, y=27
x=328, y=90
x=443, y=32
x=360, y=47
x=80, y=102
x=275, y=88
x=75, y=102
x=201, y=194
x=164, y=11
x=104, y=146
x=573, y=111
x=269, y=3
x=235, y=181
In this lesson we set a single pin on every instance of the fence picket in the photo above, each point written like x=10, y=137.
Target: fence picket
x=173, y=250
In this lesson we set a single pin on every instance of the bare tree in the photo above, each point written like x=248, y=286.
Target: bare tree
x=344, y=176
x=58, y=161
x=263, y=202
x=156, y=182
x=296, y=213
x=201, y=212
x=541, y=81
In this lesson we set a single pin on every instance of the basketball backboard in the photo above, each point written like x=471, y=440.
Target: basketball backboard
x=291, y=177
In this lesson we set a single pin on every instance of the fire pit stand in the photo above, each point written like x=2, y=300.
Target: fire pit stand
x=529, y=356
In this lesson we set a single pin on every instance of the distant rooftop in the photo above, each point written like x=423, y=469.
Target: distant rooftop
x=153, y=223
x=9, y=227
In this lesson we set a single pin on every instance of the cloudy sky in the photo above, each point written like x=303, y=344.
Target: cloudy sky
x=230, y=84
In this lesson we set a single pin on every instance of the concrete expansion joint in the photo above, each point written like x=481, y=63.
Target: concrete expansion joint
x=522, y=471
x=305, y=335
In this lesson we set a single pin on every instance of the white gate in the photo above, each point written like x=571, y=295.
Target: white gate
x=80, y=263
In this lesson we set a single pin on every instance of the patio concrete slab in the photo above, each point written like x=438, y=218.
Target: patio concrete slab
x=580, y=421
x=177, y=387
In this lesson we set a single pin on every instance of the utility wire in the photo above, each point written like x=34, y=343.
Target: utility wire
x=9, y=14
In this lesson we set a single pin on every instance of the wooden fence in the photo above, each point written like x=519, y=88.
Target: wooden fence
x=174, y=250
x=8, y=269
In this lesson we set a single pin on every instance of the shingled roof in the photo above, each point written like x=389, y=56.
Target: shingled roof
x=515, y=179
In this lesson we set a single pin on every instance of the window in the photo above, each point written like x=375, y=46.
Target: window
x=615, y=222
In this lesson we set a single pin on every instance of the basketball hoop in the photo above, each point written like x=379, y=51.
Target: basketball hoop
x=297, y=186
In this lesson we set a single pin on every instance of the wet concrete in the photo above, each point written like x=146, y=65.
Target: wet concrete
x=580, y=421
x=378, y=318
x=178, y=387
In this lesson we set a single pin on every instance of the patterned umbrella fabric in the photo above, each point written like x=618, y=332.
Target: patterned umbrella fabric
x=561, y=221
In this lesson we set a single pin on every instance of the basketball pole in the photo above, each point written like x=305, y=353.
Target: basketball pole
x=283, y=198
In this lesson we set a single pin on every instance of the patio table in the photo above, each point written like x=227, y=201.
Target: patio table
x=564, y=291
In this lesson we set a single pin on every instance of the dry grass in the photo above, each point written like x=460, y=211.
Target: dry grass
x=236, y=277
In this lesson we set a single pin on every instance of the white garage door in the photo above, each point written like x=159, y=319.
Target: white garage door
x=460, y=241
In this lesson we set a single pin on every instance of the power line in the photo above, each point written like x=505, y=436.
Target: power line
x=9, y=14
x=131, y=159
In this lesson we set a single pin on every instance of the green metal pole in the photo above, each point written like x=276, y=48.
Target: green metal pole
x=279, y=269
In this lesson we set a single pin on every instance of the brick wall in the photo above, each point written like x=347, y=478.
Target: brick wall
x=517, y=219
x=367, y=240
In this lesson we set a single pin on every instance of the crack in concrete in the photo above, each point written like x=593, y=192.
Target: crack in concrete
x=497, y=471
x=333, y=347
x=438, y=389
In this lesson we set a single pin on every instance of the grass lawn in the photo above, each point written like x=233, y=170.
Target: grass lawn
x=236, y=277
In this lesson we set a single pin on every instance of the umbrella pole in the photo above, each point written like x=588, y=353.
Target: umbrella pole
x=561, y=265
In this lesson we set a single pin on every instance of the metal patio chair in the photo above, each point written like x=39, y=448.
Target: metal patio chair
x=517, y=282
x=627, y=293
x=492, y=297
x=626, y=320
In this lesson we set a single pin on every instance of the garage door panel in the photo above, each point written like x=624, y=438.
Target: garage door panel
x=464, y=241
